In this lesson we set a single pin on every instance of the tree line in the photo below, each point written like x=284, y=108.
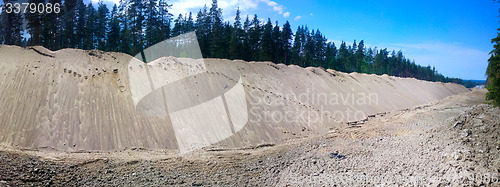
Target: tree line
x=134, y=25
x=493, y=72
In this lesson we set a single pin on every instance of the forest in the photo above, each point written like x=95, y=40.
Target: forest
x=134, y=25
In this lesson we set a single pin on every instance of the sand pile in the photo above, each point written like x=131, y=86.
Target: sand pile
x=73, y=100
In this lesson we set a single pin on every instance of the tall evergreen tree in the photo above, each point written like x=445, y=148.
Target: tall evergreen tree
x=90, y=27
x=34, y=24
x=245, y=37
x=297, y=47
x=277, y=44
x=216, y=21
x=342, y=57
x=235, y=42
x=203, y=29
x=12, y=26
x=177, y=30
x=189, y=23
x=68, y=21
x=267, y=42
x=493, y=72
x=286, y=38
x=2, y=32
x=164, y=18
x=331, y=54
x=81, y=19
x=136, y=17
x=151, y=22
x=225, y=38
x=359, y=57
x=101, y=25
x=113, y=35
x=51, y=29
x=125, y=33
x=255, y=38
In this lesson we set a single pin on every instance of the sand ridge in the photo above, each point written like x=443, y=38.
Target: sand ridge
x=74, y=100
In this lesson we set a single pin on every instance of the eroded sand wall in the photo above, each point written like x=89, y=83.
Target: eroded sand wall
x=72, y=100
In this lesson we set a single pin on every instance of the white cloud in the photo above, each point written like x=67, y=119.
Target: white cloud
x=271, y=3
x=276, y=7
x=185, y=6
x=311, y=14
x=279, y=9
x=286, y=14
x=297, y=18
x=228, y=7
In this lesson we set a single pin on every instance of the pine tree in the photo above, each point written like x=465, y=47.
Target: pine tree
x=90, y=28
x=51, y=29
x=277, y=49
x=224, y=41
x=380, y=62
x=12, y=24
x=113, y=35
x=235, y=42
x=177, y=30
x=164, y=19
x=286, y=38
x=319, y=53
x=102, y=18
x=34, y=25
x=255, y=38
x=81, y=19
x=297, y=47
x=359, y=57
x=189, y=23
x=245, y=36
x=136, y=16
x=151, y=22
x=216, y=21
x=309, y=44
x=267, y=42
x=342, y=56
x=493, y=72
x=203, y=29
x=331, y=54
x=68, y=21
x=125, y=33
x=2, y=32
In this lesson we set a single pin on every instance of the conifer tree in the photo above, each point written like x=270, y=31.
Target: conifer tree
x=493, y=72
x=12, y=26
x=235, y=42
x=286, y=38
x=81, y=19
x=113, y=35
x=101, y=25
x=69, y=24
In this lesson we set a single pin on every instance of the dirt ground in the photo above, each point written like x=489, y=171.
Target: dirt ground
x=451, y=142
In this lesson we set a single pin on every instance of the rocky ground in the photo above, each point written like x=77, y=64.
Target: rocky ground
x=448, y=143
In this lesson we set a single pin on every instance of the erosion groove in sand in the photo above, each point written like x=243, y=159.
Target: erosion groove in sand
x=73, y=100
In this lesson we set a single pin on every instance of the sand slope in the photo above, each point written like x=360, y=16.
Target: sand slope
x=71, y=100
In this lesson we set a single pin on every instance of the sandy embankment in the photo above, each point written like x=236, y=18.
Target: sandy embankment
x=72, y=100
